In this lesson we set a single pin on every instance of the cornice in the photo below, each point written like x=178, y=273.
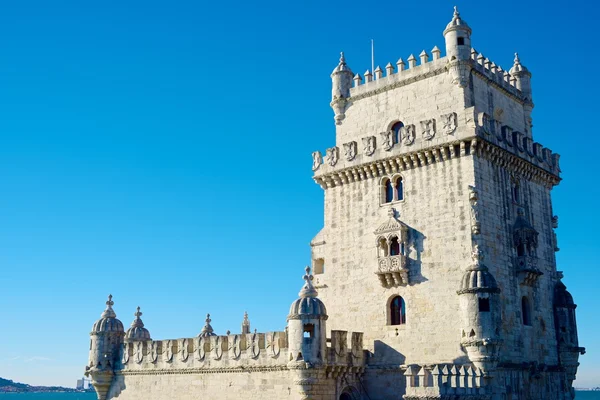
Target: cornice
x=474, y=145
x=218, y=370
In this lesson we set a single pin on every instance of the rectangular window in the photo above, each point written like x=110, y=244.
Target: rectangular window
x=484, y=305
x=461, y=41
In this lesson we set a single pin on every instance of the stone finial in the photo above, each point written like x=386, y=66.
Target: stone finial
x=109, y=312
x=400, y=64
x=246, y=323
x=436, y=52
x=389, y=69
x=424, y=57
x=342, y=66
x=473, y=54
x=477, y=255
x=368, y=76
x=480, y=59
x=137, y=322
x=207, y=330
x=378, y=72
x=412, y=61
x=308, y=290
x=357, y=80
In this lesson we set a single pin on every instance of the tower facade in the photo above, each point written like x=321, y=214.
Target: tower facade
x=438, y=241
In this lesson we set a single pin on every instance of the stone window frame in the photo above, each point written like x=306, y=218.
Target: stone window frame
x=404, y=312
x=393, y=179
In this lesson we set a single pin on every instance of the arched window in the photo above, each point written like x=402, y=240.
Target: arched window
x=521, y=249
x=399, y=186
x=394, y=247
x=389, y=191
x=345, y=396
x=515, y=192
x=397, y=129
x=526, y=311
x=397, y=311
x=382, y=247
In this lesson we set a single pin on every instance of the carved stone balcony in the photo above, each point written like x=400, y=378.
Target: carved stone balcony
x=527, y=270
x=392, y=271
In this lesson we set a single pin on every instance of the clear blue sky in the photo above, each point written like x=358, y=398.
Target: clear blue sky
x=160, y=151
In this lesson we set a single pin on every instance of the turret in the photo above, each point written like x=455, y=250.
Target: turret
x=106, y=341
x=306, y=326
x=566, y=330
x=458, y=38
x=341, y=81
x=137, y=330
x=246, y=324
x=481, y=311
x=207, y=329
x=522, y=78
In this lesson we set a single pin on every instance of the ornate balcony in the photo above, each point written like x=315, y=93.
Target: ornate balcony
x=392, y=271
x=527, y=270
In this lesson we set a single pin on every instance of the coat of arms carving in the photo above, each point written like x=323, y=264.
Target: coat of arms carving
x=483, y=123
x=317, y=160
x=449, y=123
x=369, y=145
x=407, y=133
x=428, y=127
x=332, y=156
x=387, y=140
x=350, y=150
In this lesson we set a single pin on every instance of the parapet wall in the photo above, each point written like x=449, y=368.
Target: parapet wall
x=234, y=352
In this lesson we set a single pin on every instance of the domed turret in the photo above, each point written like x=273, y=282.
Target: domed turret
x=105, y=347
x=341, y=81
x=523, y=83
x=246, y=324
x=306, y=325
x=458, y=38
x=480, y=310
x=137, y=330
x=566, y=330
x=207, y=329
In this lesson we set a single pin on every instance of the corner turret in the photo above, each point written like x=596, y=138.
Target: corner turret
x=246, y=324
x=207, y=329
x=458, y=38
x=106, y=341
x=522, y=78
x=481, y=311
x=137, y=330
x=306, y=326
x=341, y=80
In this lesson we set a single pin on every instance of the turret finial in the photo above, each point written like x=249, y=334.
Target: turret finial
x=517, y=61
x=138, y=313
x=246, y=323
x=456, y=13
x=342, y=58
x=109, y=312
x=137, y=322
x=207, y=330
x=308, y=290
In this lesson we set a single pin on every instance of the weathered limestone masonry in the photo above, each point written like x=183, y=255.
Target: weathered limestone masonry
x=438, y=245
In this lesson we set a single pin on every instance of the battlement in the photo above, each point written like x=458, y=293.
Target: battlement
x=495, y=73
x=234, y=352
x=403, y=73
x=435, y=381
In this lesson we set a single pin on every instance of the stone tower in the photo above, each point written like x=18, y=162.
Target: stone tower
x=434, y=162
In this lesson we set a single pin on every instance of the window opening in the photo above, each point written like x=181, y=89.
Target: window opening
x=397, y=311
x=397, y=130
x=394, y=247
x=460, y=41
x=389, y=191
x=526, y=311
x=400, y=188
x=309, y=330
x=484, y=305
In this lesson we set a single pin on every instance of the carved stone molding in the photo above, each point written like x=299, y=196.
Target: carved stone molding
x=428, y=129
x=350, y=150
x=387, y=140
x=333, y=155
x=408, y=134
x=449, y=123
x=369, y=145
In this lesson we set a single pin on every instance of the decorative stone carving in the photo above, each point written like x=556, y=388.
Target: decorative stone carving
x=217, y=347
x=369, y=145
x=236, y=348
x=449, y=123
x=473, y=199
x=332, y=156
x=483, y=123
x=184, y=353
x=200, y=348
x=168, y=351
x=274, y=344
x=350, y=150
x=139, y=352
x=255, y=345
x=428, y=129
x=392, y=258
x=408, y=134
x=555, y=226
x=387, y=140
x=125, y=358
x=317, y=160
x=153, y=352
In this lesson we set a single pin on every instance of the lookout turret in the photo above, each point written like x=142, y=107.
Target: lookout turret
x=458, y=38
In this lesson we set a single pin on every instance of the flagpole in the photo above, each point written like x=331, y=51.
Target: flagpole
x=372, y=57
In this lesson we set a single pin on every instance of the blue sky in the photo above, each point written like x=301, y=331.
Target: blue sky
x=161, y=151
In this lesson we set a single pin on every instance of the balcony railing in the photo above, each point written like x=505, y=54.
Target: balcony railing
x=392, y=271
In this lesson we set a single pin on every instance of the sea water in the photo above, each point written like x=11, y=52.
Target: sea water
x=92, y=396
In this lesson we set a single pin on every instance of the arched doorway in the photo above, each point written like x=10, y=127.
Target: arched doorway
x=346, y=396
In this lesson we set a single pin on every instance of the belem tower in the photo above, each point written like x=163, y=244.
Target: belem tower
x=434, y=276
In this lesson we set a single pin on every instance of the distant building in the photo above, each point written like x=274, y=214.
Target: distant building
x=434, y=165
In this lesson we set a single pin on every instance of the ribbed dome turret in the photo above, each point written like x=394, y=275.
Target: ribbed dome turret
x=207, y=329
x=562, y=297
x=137, y=330
x=477, y=278
x=308, y=305
x=342, y=66
x=457, y=23
x=517, y=66
x=108, y=321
